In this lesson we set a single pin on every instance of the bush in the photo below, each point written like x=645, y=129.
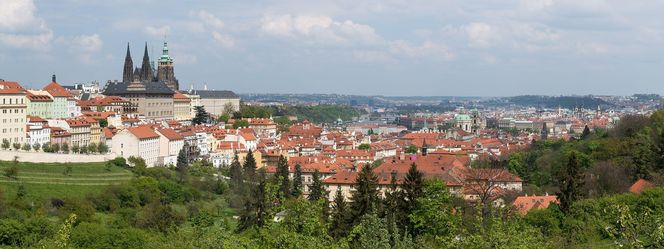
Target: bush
x=159, y=217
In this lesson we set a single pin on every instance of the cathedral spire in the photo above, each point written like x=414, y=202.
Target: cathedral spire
x=127, y=72
x=146, y=71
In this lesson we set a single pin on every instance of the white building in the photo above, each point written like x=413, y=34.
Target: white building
x=13, y=107
x=140, y=141
x=170, y=144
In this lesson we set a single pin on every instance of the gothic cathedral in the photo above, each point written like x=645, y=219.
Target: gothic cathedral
x=146, y=72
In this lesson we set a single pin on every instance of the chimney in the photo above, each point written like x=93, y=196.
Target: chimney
x=53, y=78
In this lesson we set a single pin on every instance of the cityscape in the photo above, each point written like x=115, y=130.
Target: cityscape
x=162, y=154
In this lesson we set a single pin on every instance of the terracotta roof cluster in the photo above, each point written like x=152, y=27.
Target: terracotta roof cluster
x=523, y=204
x=170, y=134
x=38, y=98
x=56, y=90
x=143, y=132
x=9, y=87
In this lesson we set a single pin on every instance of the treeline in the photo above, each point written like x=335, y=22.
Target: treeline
x=316, y=114
x=610, y=160
x=569, y=102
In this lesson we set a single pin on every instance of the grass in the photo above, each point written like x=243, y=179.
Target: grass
x=48, y=180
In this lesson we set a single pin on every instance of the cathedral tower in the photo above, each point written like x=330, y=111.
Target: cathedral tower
x=127, y=72
x=165, y=70
x=146, y=71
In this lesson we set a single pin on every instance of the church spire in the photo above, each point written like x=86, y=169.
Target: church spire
x=127, y=72
x=146, y=71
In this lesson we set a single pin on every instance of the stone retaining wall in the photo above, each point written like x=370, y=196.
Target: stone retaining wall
x=43, y=157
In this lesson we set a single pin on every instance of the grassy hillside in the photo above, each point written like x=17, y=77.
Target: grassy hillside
x=47, y=180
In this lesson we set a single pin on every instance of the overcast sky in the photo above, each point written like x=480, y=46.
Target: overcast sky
x=387, y=47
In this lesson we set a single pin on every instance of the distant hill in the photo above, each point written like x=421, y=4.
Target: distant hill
x=556, y=101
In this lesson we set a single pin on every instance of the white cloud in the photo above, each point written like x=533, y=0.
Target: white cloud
x=320, y=30
x=225, y=41
x=480, y=34
x=427, y=49
x=20, y=28
x=88, y=43
x=210, y=19
x=158, y=31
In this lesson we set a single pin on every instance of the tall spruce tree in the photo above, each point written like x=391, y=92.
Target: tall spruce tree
x=316, y=191
x=365, y=196
x=255, y=210
x=339, y=225
x=249, y=167
x=297, y=181
x=392, y=202
x=586, y=133
x=570, y=181
x=181, y=165
x=235, y=173
x=411, y=189
x=283, y=172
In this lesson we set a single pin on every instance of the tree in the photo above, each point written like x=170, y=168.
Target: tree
x=223, y=118
x=26, y=147
x=67, y=170
x=240, y=123
x=65, y=148
x=283, y=174
x=83, y=149
x=255, y=211
x=46, y=147
x=36, y=146
x=371, y=232
x=102, y=148
x=339, y=224
x=643, y=154
x=411, y=189
x=201, y=116
x=586, y=133
x=92, y=147
x=249, y=167
x=365, y=195
x=235, y=173
x=16, y=146
x=411, y=149
x=364, y=147
x=5, y=143
x=317, y=190
x=11, y=172
x=75, y=148
x=570, y=180
x=297, y=181
x=103, y=123
x=181, y=164
x=56, y=148
x=434, y=214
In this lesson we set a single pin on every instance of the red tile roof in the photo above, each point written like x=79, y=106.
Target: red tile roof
x=170, y=134
x=56, y=90
x=523, y=204
x=640, y=185
x=143, y=132
x=9, y=87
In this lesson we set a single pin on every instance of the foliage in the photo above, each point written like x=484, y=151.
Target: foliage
x=364, y=147
x=241, y=123
x=411, y=149
x=297, y=181
x=316, y=190
x=201, y=116
x=365, y=194
x=433, y=216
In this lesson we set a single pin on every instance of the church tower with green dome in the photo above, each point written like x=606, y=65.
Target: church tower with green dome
x=165, y=72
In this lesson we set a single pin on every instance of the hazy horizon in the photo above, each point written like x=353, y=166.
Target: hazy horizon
x=389, y=48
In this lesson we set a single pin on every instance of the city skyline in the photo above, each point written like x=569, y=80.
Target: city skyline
x=395, y=48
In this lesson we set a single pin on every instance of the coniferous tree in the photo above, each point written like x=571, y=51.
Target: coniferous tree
x=570, y=181
x=249, y=167
x=392, y=201
x=181, y=164
x=201, y=115
x=411, y=189
x=236, y=173
x=256, y=205
x=339, y=225
x=282, y=173
x=586, y=133
x=365, y=197
x=297, y=181
x=316, y=191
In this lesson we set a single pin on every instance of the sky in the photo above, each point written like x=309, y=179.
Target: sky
x=364, y=47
